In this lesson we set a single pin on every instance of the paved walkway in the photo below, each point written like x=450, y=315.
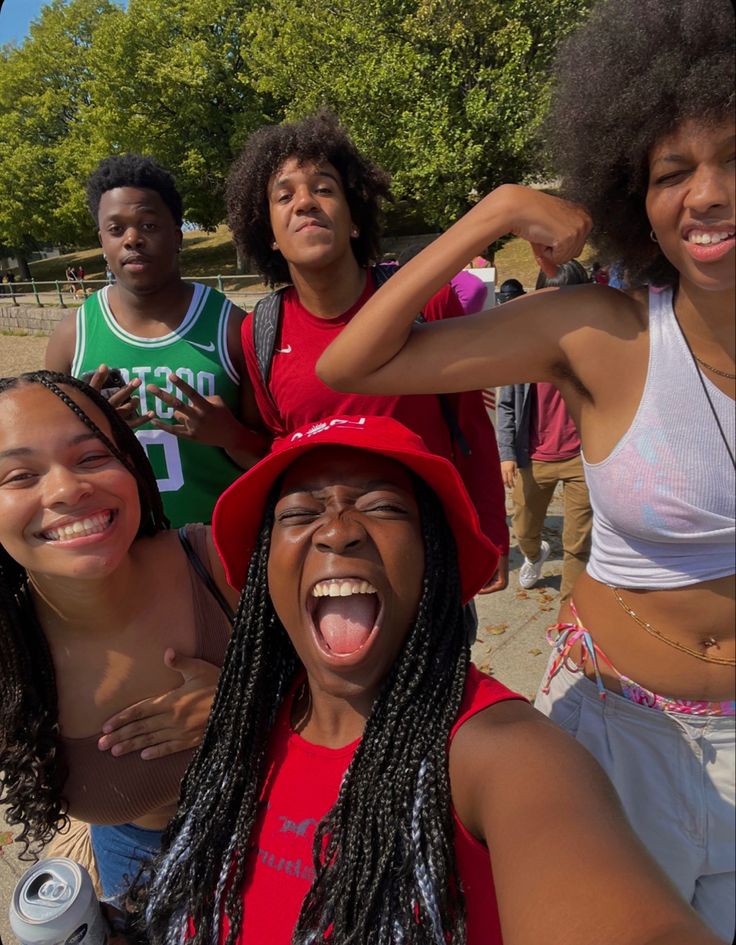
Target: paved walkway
x=511, y=642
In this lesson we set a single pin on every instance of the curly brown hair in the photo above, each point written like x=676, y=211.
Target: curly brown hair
x=644, y=66
x=319, y=137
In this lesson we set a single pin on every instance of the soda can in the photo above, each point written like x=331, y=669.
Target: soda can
x=54, y=903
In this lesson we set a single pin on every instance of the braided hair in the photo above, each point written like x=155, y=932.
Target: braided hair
x=384, y=854
x=32, y=768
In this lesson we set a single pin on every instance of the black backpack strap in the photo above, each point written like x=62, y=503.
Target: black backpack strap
x=382, y=273
x=203, y=574
x=266, y=316
x=456, y=434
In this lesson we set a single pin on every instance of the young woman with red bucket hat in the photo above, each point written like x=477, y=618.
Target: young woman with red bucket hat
x=359, y=780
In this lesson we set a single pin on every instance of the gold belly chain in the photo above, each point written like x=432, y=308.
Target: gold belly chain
x=710, y=642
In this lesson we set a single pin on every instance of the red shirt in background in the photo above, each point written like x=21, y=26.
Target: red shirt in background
x=553, y=435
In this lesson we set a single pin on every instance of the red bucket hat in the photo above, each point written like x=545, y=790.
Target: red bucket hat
x=237, y=518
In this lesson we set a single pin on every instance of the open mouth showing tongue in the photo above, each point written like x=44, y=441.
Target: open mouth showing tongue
x=345, y=623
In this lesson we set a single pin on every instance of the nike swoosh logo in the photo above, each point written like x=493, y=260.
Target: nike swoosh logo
x=286, y=350
x=210, y=346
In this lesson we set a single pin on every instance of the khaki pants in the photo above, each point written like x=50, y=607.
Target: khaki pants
x=533, y=490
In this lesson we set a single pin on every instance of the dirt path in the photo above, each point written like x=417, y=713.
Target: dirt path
x=20, y=353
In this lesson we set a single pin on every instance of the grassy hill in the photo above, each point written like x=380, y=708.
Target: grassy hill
x=213, y=254
x=203, y=254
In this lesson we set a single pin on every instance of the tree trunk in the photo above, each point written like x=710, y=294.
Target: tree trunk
x=23, y=268
x=241, y=261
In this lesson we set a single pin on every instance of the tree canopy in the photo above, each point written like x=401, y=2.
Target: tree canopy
x=448, y=95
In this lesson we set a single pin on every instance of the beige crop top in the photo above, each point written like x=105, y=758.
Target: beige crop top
x=102, y=789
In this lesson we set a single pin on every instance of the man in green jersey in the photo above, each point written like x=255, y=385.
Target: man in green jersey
x=176, y=343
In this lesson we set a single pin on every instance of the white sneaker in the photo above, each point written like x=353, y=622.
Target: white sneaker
x=531, y=571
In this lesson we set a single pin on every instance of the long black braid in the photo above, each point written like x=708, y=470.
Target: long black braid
x=32, y=768
x=384, y=855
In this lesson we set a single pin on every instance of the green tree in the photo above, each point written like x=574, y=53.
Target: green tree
x=447, y=94
x=42, y=89
x=171, y=78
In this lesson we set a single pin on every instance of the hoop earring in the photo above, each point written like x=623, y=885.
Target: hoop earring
x=652, y=237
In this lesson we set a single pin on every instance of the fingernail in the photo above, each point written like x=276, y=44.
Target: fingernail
x=115, y=750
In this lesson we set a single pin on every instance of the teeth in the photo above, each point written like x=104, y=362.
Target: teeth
x=87, y=526
x=342, y=588
x=705, y=239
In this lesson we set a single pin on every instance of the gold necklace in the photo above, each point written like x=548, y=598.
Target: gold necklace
x=720, y=660
x=731, y=377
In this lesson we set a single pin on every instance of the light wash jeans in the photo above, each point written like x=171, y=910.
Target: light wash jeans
x=120, y=850
x=674, y=774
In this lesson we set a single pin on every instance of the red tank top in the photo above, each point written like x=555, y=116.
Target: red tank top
x=301, y=786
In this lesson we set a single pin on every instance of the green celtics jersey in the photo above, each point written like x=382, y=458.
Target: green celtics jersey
x=190, y=475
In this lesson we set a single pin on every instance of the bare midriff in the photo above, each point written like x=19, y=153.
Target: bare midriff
x=699, y=617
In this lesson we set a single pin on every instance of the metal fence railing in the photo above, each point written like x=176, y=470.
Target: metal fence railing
x=61, y=293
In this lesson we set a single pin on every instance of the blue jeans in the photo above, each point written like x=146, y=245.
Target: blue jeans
x=120, y=850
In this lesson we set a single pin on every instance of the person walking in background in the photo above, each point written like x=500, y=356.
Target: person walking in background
x=509, y=289
x=71, y=278
x=598, y=274
x=540, y=447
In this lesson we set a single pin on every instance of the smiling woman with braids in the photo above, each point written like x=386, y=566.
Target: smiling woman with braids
x=359, y=781
x=100, y=607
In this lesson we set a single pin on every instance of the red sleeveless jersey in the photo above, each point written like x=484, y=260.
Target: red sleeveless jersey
x=301, y=786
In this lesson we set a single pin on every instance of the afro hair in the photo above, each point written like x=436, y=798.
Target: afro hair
x=133, y=170
x=625, y=80
x=317, y=138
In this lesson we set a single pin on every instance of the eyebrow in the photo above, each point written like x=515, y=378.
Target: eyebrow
x=282, y=181
x=370, y=486
x=675, y=158
x=29, y=451
x=137, y=208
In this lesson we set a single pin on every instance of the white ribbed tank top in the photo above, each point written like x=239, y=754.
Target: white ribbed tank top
x=663, y=500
